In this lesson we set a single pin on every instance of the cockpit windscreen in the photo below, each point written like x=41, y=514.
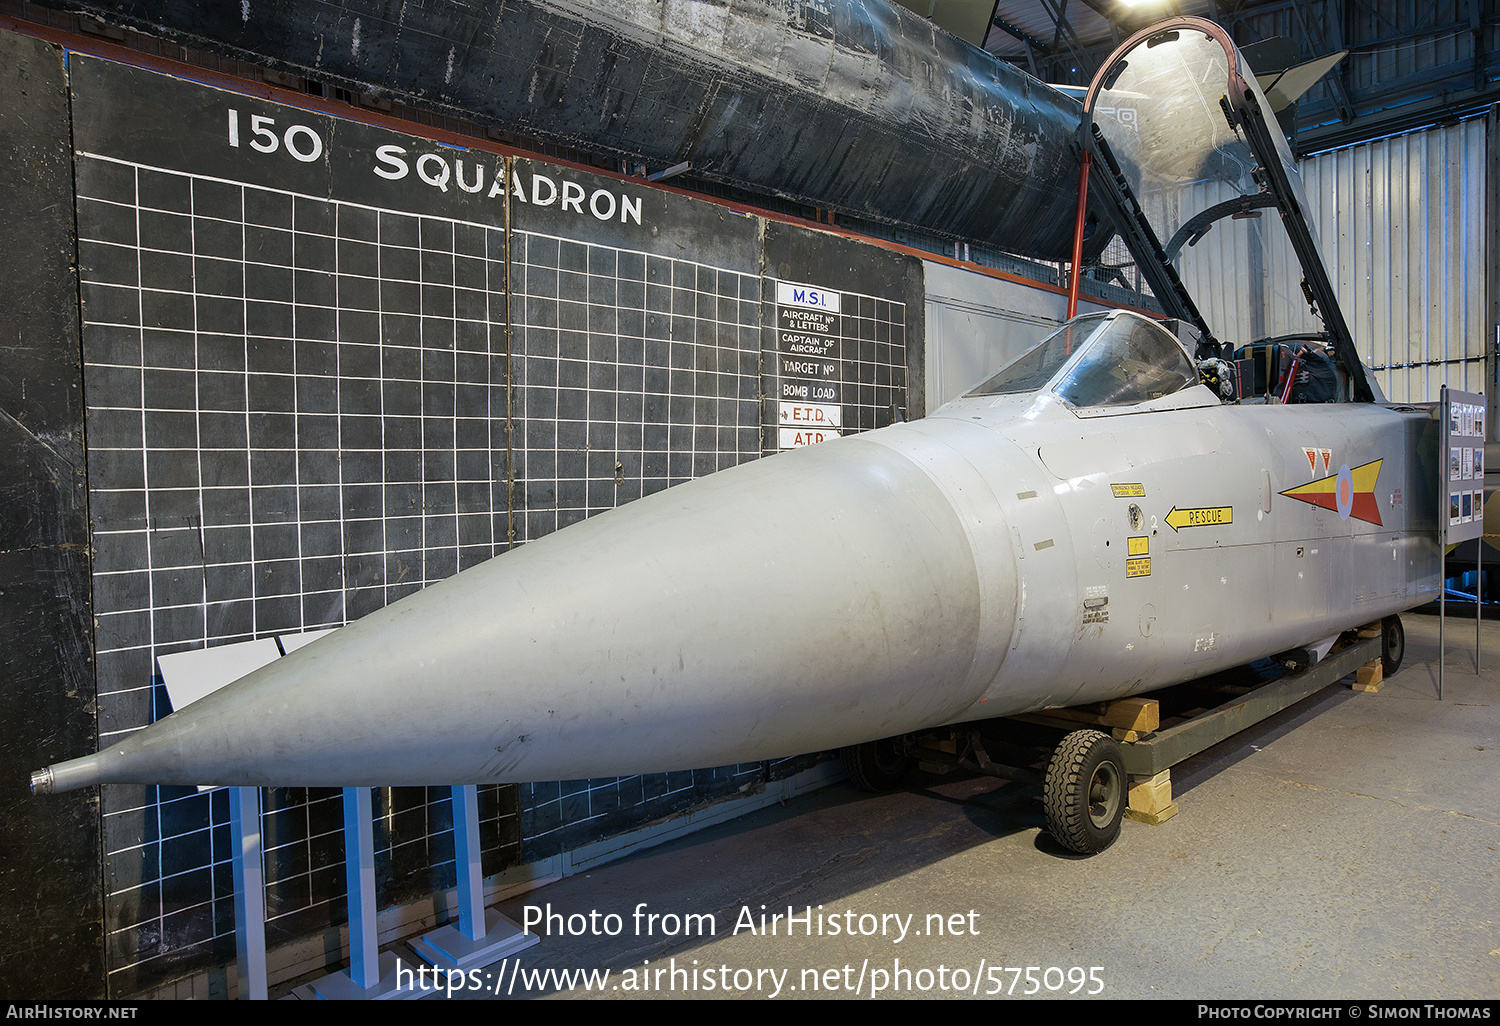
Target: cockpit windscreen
x=1095, y=360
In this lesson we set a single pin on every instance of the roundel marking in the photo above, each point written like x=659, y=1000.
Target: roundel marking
x=1344, y=494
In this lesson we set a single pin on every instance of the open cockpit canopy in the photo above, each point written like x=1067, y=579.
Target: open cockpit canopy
x=1203, y=188
x=1098, y=360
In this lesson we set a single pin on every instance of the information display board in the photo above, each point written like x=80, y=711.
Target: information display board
x=809, y=362
x=843, y=336
x=1461, y=514
x=1463, y=416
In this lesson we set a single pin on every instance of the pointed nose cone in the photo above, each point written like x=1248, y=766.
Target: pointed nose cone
x=795, y=604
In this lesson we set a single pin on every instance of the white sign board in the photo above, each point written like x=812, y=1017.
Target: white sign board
x=1462, y=491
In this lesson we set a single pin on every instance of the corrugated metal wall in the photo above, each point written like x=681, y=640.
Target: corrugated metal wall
x=1402, y=225
x=1402, y=52
x=1242, y=274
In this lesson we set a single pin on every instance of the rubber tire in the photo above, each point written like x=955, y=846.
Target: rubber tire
x=876, y=765
x=1085, y=792
x=1392, y=645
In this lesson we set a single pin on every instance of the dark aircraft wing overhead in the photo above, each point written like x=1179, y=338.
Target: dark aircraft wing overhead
x=969, y=20
x=862, y=108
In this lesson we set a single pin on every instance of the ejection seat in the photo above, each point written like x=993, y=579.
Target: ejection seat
x=1294, y=369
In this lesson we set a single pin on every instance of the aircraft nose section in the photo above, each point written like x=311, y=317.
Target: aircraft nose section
x=795, y=604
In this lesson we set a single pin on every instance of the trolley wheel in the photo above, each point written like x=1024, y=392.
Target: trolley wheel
x=1392, y=645
x=877, y=765
x=1084, y=792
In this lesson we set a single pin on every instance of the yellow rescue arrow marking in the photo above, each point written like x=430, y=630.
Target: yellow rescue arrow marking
x=1206, y=517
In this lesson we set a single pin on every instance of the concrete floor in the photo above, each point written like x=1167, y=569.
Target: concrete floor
x=1347, y=848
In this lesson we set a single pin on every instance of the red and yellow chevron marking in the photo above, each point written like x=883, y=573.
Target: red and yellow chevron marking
x=1356, y=490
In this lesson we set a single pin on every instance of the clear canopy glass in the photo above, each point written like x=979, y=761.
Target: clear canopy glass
x=1163, y=109
x=1115, y=359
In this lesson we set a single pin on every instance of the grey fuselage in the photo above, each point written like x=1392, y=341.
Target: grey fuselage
x=1225, y=569
x=973, y=564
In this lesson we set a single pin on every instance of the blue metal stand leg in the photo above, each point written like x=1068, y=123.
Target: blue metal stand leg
x=478, y=938
x=249, y=892
x=359, y=865
x=371, y=975
x=466, y=862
